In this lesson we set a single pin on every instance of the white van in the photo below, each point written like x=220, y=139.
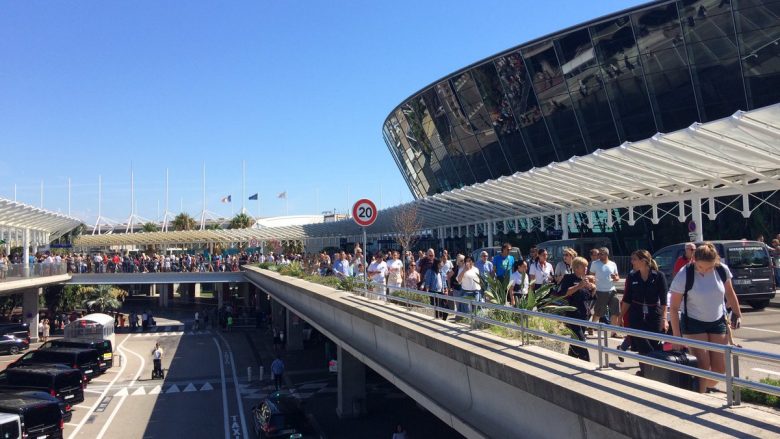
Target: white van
x=10, y=426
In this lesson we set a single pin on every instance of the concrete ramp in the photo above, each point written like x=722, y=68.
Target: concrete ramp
x=485, y=386
x=153, y=278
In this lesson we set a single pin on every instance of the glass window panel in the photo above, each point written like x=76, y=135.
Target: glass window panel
x=589, y=98
x=501, y=116
x=417, y=151
x=449, y=143
x=554, y=100
x=480, y=123
x=665, y=61
x=758, y=33
x=615, y=44
x=448, y=178
x=516, y=83
x=711, y=43
x=462, y=129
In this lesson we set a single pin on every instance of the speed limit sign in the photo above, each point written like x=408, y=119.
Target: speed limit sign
x=364, y=212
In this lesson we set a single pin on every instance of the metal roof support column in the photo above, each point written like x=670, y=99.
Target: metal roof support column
x=542, y=226
x=490, y=226
x=517, y=226
x=441, y=236
x=654, y=219
x=26, y=253
x=681, y=215
x=711, y=204
x=610, y=220
x=631, y=220
x=565, y=225
x=696, y=217
x=529, y=224
x=746, y=204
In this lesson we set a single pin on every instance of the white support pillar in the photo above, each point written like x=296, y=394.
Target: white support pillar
x=681, y=211
x=565, y=225
x=696, y=217
x=654, y=218
x=26, y=256
x=441, y=236
x=746, y=205
x=631, y=220
x=610, y=219
x=529, y=225
x=712, y=215
x=542, y=226
x=490, y=226
x=30, y=311
x=517, y=226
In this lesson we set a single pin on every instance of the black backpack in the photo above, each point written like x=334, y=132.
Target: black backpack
x=689, y=278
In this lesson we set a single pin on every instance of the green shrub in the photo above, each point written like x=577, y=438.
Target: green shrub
x=265, y=265
x=293, y=269
x=750, y=395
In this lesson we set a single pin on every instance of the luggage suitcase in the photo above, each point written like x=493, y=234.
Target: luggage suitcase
x=671, y=377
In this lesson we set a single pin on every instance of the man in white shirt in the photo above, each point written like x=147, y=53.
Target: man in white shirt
x=606, y=273
x=377, y=272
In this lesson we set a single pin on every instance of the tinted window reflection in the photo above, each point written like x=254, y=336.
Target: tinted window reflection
x=616, y=50
x=554, y=100
x=522, y=99
x=708, y=28
x=461, y=128
x=583, y=77
x=758, y=33
x=447, y=176
x=663, y=55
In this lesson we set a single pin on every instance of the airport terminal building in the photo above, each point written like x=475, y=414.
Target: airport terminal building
x=658, y=67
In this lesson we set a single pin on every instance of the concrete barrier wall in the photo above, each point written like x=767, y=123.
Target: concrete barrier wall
x=484, y=386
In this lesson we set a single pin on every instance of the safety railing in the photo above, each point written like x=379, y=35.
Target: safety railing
x=731, y=376
x=11, y=272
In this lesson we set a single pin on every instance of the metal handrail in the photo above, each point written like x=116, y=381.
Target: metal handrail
x=732, y=354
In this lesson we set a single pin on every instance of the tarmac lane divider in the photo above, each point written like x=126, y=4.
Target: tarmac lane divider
x=224, y=389
x=124, y=397
x=236, y=387
x=100, y=398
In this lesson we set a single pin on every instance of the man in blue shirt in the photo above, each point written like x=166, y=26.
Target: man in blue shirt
x=484, y=265
x=277, y=371
x=503, y=263
x=341, y=265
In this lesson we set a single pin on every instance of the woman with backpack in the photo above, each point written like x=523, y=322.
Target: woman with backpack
x=698, y=291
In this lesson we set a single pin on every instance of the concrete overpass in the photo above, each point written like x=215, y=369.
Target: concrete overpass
x=154, y=278
x=486, y=386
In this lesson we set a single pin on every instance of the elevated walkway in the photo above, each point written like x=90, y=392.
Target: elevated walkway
x=154, y=278
x=486, y=386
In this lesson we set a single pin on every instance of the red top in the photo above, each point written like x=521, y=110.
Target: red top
x=681, y=262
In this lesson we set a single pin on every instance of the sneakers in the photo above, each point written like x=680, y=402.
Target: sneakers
x=623, y=348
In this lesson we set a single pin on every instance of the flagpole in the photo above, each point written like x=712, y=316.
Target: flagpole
x=68, y=196
x=243, y=185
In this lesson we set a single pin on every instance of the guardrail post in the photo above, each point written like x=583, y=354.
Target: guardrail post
x=729, y=377
x=606, y=344
x=522, y=328
x=601, y=346
x=473, y=313
x=735, y=372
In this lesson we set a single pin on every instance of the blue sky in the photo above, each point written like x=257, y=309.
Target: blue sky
x=297, y=89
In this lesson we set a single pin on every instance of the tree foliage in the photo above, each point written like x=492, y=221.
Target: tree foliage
x=183, y=221
x=150, y=227
x=241, y=221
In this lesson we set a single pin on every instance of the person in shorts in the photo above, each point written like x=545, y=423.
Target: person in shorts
x=606, y=273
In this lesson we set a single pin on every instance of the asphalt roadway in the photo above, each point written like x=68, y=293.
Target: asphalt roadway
x=206, y=392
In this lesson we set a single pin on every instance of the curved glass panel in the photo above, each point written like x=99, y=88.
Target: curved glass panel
x=664, y=57
x=758, y=34
x=616, y=49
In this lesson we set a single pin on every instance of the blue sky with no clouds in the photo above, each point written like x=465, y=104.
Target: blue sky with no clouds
x=297, y=89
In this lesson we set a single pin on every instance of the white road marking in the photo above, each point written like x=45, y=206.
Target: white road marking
x=122, y=400
x=206, y=386
x=139, y=391
x=190, y=388
x=771, y=372
x=100, y=398
x=122, y=392
x=173, y=389
x=156, y=390
x=224, y=391
x=235, y=380
x=760, y=329
x=92, y=391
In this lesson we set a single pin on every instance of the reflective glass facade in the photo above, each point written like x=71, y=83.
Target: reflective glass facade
x=656, y=68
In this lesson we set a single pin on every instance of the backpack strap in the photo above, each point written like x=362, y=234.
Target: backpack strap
x=721, y=272
x=689, y=278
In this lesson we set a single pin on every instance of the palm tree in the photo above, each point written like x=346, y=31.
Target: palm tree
x=183, y=221
x=103, y=297
x=242, y=221
x=150, y=227
x=213, y=226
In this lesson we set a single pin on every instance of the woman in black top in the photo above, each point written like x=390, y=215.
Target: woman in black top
x=644, y=299
x=578, y=289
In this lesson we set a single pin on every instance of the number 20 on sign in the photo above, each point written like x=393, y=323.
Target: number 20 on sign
x=364, y=212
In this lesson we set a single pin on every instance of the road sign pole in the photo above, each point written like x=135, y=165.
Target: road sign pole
x=365, y=252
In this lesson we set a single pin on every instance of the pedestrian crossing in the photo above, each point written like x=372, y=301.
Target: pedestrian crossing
x=168, y=331
x=166, y=389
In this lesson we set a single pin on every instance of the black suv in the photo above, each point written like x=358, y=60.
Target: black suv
x=62, y=382
x=103, y=347
x=84, y=359
x=18, y=330
x=281, y=416
x=65, y=408
x=749, y=262
x=39, y=418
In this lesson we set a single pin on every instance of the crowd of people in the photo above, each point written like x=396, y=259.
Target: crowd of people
x=700, y=298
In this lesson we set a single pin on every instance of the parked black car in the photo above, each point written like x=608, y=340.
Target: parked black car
x=281, y=416
x=65, y=408
x=39, y=418
x=18, y=330
x=749, y=262
x=103, y=347
x=84, y=359
x=10, y=344
x=62, y=382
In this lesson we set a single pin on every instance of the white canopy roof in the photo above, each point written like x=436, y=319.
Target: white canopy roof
x=731, y=156
x=46, y=225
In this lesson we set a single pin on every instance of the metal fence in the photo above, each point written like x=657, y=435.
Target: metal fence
x=10, y=272
x=477, y=314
